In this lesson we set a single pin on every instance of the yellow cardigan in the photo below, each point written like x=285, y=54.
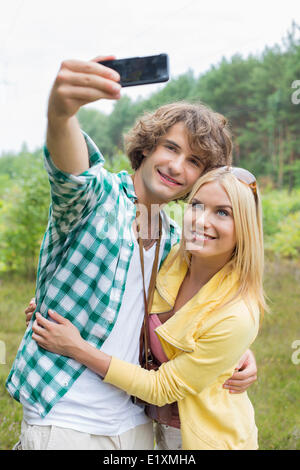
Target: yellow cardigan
x=203, y=344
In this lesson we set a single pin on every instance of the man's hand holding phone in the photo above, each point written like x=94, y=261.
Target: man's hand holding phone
x=79, y=82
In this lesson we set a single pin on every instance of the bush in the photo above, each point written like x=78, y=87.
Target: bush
x=276, y=207
x=281, y=213
x=23, y=219
x=286, y=242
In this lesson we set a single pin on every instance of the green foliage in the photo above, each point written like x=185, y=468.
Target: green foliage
x=281, y=213
x=286, y=242
x=23, y=216
x=119, y=163
x=95, y=124
x=277, y=205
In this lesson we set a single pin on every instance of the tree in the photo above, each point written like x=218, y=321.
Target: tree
x=23, y=220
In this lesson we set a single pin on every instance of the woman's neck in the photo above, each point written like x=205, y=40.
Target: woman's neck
x=202, y=270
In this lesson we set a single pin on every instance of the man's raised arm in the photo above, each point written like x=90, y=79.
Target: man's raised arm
x=77, y=83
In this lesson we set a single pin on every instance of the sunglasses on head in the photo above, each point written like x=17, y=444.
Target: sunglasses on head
x=244, y=176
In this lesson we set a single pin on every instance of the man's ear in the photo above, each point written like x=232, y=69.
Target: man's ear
x=144, y=155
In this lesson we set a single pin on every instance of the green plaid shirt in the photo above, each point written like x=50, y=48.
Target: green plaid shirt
x=83, y=265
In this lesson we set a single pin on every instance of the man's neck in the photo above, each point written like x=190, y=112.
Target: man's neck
x=148, y=210
x=148, y=207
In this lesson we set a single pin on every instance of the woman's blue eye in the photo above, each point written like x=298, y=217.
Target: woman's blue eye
x=222, y=211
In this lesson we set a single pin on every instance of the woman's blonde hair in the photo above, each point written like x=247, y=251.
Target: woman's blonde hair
x=248, y=255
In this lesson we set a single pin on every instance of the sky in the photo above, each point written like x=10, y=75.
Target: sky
x=36, y=36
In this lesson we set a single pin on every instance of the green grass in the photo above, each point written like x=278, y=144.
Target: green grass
x=14, y=296
x=275, y=395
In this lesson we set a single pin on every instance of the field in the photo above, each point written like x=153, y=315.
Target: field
x=275, y=395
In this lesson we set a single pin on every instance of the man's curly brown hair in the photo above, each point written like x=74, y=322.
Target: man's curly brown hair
x=208, y=133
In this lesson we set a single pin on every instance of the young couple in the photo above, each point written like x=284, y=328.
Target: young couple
x=77, y=365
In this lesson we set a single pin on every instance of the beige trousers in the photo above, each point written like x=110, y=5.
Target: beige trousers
x=57, y=438
x=167, y=437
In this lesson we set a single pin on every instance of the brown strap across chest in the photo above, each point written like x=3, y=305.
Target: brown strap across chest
x=144, y=336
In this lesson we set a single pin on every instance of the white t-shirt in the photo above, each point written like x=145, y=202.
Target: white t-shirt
x=95, y=407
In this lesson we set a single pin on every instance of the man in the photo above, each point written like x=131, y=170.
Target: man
x=89, y=268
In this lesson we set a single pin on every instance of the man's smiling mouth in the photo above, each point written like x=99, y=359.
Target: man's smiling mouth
x=168, y=179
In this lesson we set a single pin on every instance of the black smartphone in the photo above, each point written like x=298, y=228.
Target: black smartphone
x=140, y=70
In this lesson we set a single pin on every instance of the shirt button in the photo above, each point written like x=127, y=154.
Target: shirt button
x=130, y=243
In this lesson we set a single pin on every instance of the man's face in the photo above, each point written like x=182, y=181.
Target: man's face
x=170, y=171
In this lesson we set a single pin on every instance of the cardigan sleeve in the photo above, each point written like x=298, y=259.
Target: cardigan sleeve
x=216, y=352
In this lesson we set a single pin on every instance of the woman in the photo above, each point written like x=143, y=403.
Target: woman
x=208, y=299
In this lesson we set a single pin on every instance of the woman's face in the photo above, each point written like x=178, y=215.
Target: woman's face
x=209, y=228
